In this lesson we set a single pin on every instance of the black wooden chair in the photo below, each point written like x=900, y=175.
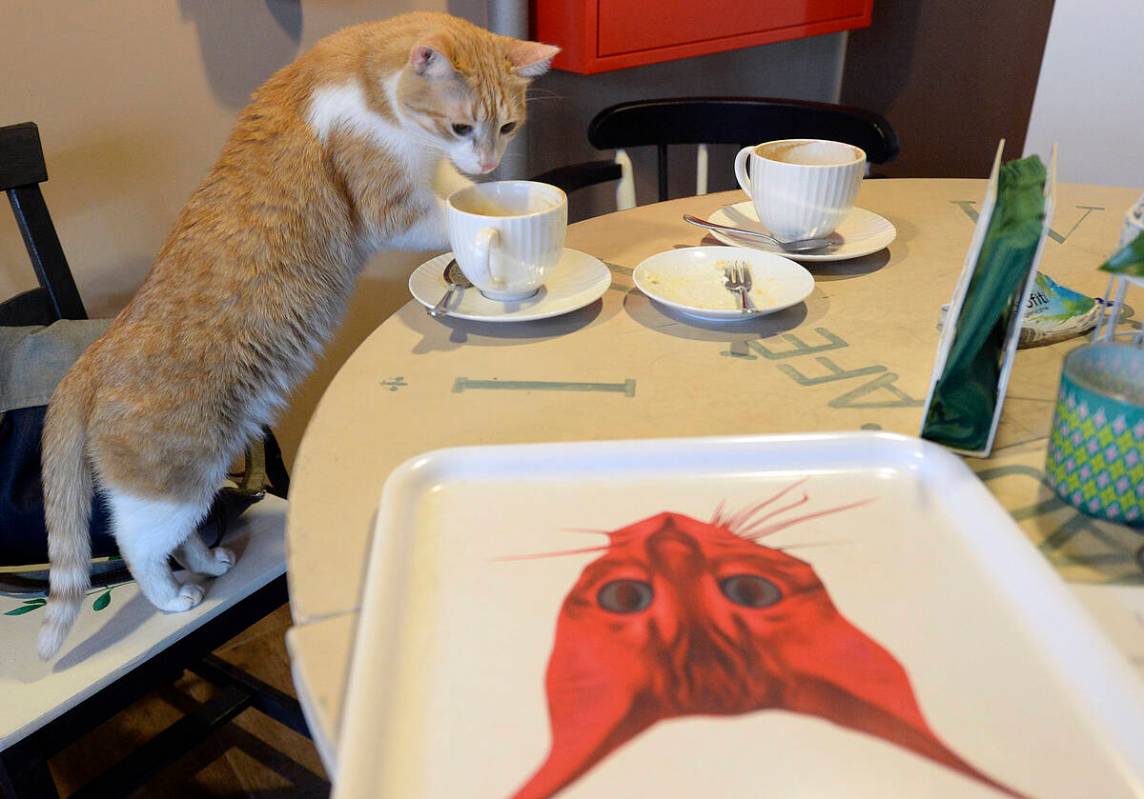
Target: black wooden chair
x=701, y=121
x=43, y=716
x=22, y=170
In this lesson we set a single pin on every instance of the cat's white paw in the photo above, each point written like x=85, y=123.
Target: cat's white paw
x=221, y=561
x=189, y=595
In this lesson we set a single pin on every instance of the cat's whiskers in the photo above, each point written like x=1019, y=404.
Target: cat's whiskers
x=543, y=94
x=777, y=511
x=755, y=530
x=812, y=544
x=779, y=526
x=541, y=555
x=717, y=519
x=616, y=539
x=742, y=517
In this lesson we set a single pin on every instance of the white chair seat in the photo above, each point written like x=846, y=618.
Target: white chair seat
x=117, y=631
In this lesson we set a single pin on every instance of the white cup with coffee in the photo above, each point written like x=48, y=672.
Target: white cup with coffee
x=801, y=188
x=508, y=235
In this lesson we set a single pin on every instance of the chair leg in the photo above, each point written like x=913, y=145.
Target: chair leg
x=626, y=189
x=26, y=776
x=279, y=706
x=701, y=161
x=23, y=767
x=139, y=767
x=661, y=163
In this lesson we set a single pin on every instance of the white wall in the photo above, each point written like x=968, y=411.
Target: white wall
x=1090, y=97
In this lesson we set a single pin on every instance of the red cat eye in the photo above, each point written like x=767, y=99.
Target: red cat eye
x=625, y=596
x=750, y=590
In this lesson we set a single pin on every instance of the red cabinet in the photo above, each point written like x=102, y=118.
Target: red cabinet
x=601, y=35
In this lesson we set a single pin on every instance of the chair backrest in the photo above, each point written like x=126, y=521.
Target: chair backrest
x=736, y=120
x=22, y=170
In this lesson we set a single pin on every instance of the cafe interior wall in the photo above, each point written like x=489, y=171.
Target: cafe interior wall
x=953, y=78
x=134, y=100
x=1090, y=94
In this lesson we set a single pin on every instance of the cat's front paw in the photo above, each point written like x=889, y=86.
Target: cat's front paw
x=430, y=231
x=188, y=597
x=221, y=561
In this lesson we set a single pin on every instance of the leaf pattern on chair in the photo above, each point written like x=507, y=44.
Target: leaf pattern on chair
x=102, y=601
x=28, y=606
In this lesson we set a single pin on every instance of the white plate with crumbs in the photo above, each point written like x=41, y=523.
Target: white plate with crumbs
x=691, y=281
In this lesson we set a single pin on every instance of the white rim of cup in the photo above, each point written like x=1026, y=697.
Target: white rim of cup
x=476, y=188
x=757, y=154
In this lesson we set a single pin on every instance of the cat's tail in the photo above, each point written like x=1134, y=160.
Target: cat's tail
x=67, y=511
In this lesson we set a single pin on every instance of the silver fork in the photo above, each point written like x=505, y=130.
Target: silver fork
x=737, y=278
x=745, y=279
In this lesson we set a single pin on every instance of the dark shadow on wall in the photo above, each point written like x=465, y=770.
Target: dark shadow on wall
x=877, y=74
x=244, y=42
x=475, y=11
x=952, y=78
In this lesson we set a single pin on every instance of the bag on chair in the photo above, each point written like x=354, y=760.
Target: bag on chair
x=32, y=362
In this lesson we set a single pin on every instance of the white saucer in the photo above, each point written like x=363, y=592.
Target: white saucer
x=578, y=280
x=691, y=280
x=862, y=232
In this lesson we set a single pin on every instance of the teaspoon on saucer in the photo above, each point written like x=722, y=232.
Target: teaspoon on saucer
x=800, y=245
x=456, y=279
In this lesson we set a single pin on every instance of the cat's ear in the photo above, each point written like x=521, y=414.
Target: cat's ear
x=430, y=57
x=530, y=59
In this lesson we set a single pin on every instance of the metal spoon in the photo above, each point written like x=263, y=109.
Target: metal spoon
x=456, y=279
x=800, y=245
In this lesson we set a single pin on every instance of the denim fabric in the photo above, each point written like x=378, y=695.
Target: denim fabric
x=33, y=360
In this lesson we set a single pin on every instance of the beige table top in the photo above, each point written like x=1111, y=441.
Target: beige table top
x=856, y=355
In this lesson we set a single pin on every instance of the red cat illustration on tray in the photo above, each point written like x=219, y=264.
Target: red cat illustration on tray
x=680, y=617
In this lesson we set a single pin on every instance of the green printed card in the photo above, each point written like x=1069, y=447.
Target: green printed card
x=979, y=339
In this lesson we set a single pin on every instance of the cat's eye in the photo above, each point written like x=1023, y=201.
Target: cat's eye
x=625, y=596
x=507, y=128
x=750, y=590
x=462, y=130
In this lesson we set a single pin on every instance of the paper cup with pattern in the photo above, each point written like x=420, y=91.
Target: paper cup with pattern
x=1095, y=460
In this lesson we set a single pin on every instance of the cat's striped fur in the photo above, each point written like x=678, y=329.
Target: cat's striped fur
x=350, y=148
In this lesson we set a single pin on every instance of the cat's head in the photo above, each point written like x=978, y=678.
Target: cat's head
x=464, y=91
x=682, y=617
x=685, y=609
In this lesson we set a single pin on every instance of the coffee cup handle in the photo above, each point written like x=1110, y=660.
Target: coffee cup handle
x=482, y=247
x=741, y=170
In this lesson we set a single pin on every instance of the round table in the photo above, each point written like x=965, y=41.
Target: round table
x=857, y=354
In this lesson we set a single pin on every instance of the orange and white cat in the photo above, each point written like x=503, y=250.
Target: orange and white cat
x=351, y=148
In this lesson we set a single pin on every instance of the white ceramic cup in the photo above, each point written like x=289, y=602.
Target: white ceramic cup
x=801, y=188
x=508, y=235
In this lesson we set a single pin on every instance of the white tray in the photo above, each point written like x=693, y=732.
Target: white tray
x=447, y=694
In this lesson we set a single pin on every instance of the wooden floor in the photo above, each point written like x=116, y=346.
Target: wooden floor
x=252, y=756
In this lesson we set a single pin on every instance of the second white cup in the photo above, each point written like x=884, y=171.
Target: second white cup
x=508, y=235
x=801, y=188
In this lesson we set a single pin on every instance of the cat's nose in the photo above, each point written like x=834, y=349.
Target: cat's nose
x=488, y=166
x=674, y=552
